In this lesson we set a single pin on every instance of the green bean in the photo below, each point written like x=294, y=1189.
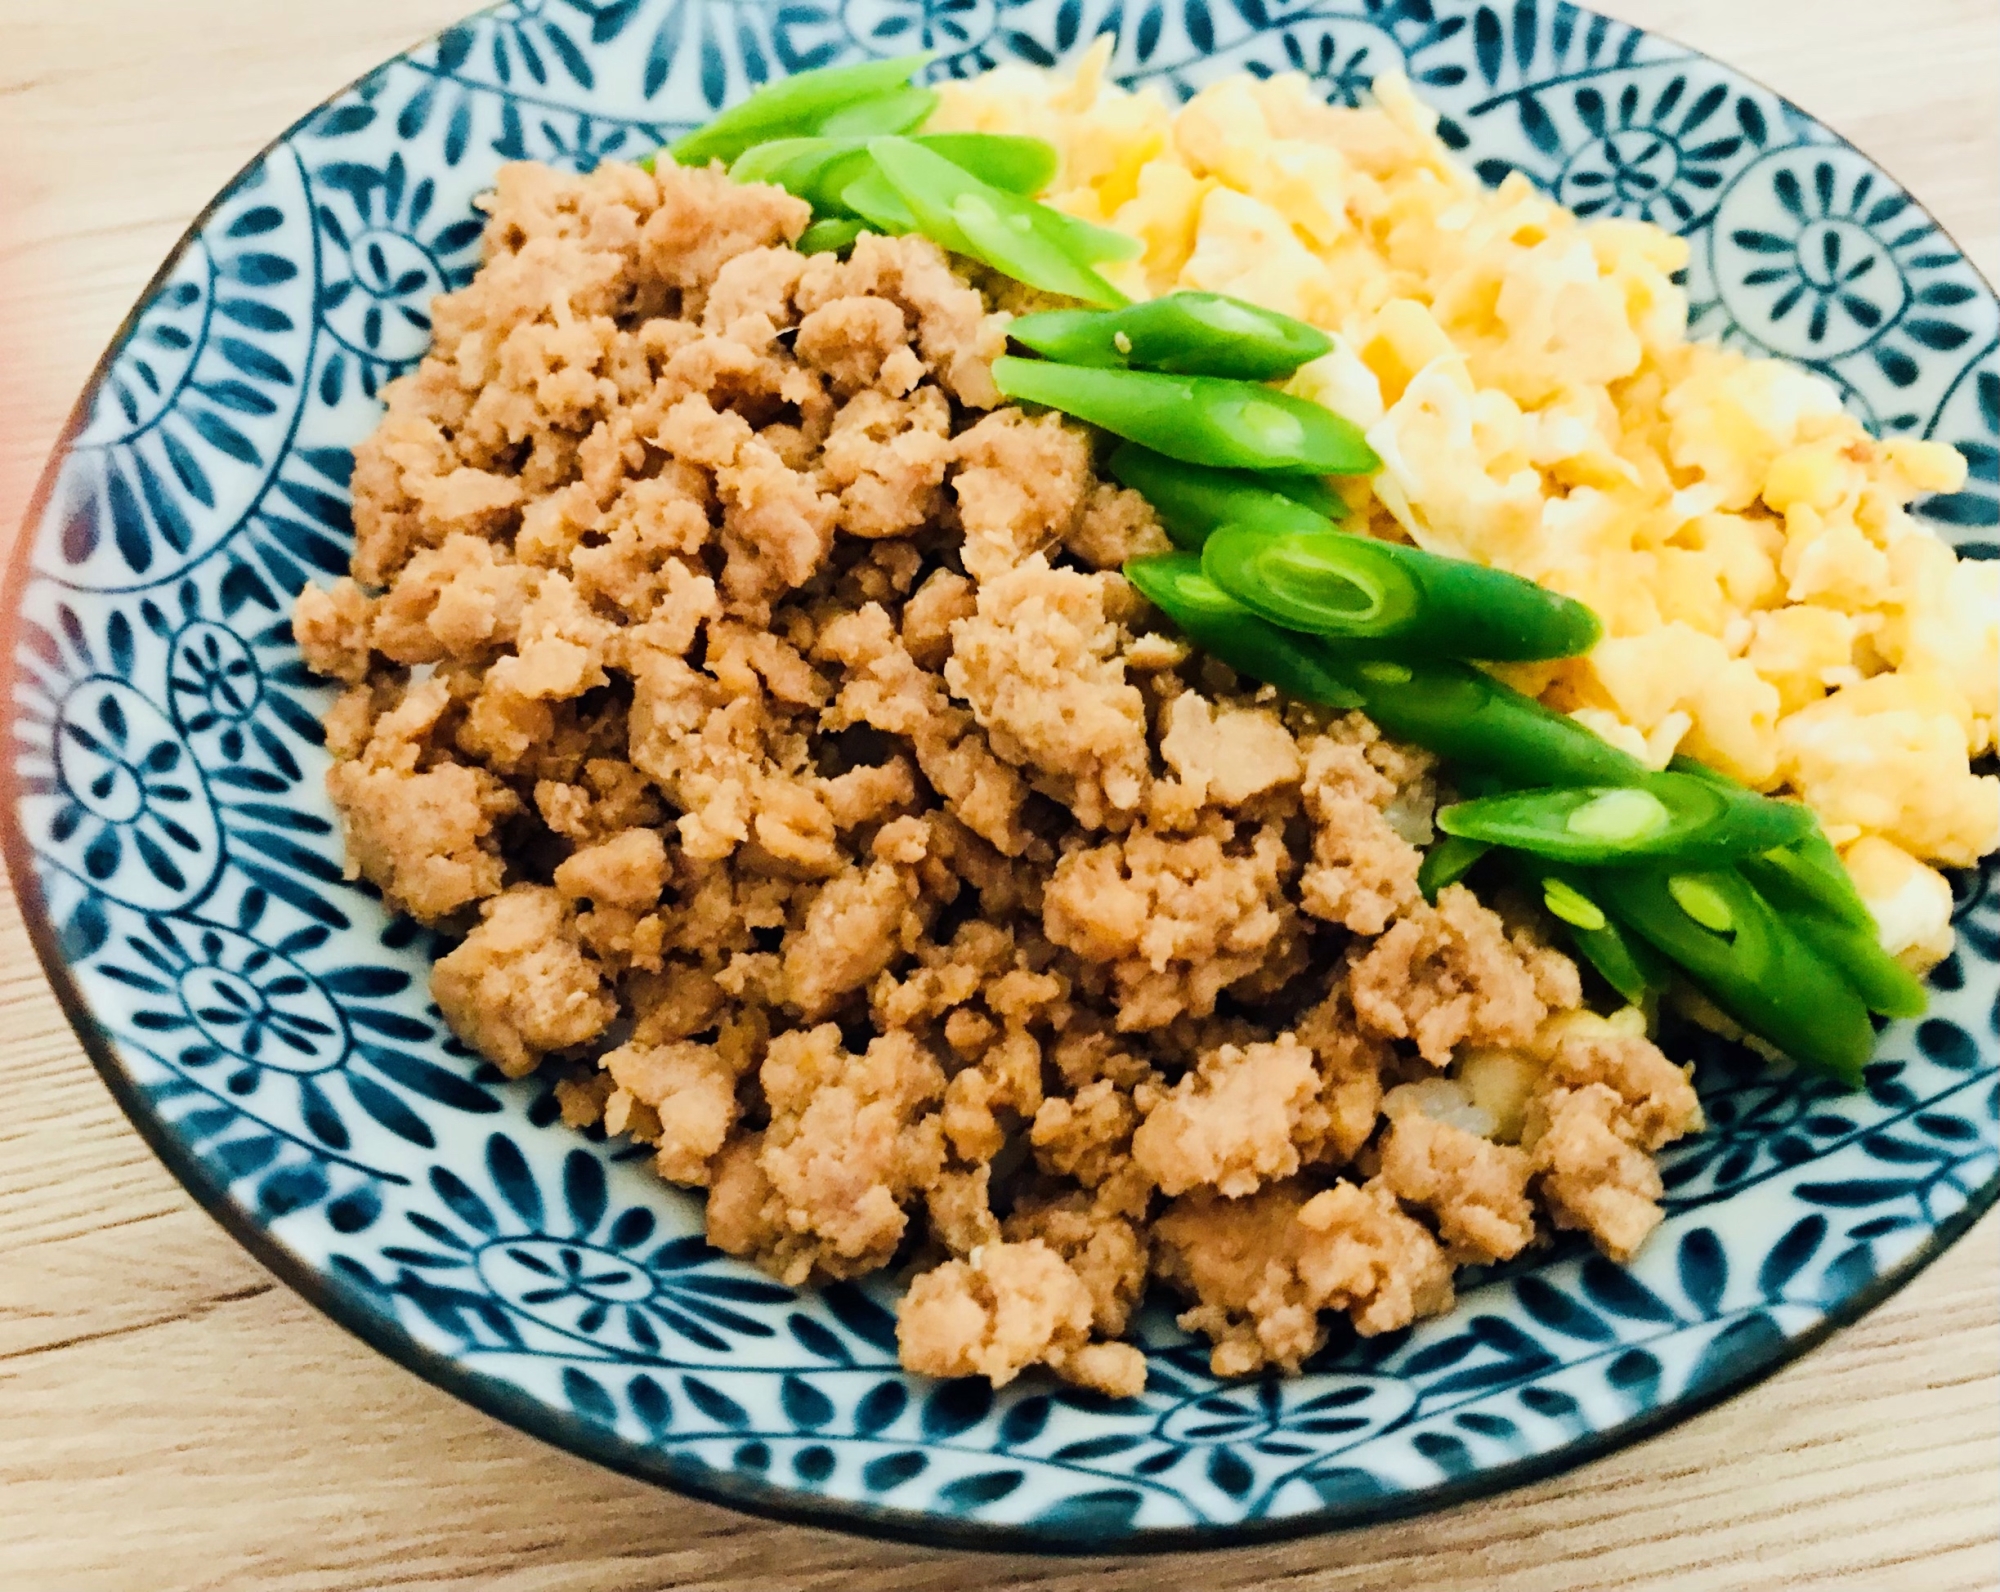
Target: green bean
x=815, y=169
x=1494, y=609
x=1465, y=715
x=1236, y=425
x=1808, y=872
x=1185, y=334
x=901, y=110
x=1017, y=236
x=1744, y=958
x=1193, y=500
x=1089, y=241
x=1174, y=583
x=1667, y=818
x=1808, y=882
x=1316, y=581
x=873, y=198
x=1329, y=583
x=1811, y=885
x=818, y=170
x=1447, y=862
x=1628, y=964
x=1019, y=165
x=792, y=107
x=831, y=236
x=1623, y=961
x=1882, y=982
x=1808, y=876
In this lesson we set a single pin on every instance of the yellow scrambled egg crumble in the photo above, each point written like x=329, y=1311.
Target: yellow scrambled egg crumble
x=1770, y=606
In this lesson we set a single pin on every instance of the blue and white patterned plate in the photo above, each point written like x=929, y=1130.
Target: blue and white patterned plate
x=265, y=1024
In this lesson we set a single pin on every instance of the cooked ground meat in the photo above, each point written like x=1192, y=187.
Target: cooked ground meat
x=759, y=703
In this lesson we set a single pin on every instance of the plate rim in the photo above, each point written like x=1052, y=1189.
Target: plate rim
x=341, y=1303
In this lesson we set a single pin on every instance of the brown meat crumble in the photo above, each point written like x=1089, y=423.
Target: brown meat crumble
x=761, y=702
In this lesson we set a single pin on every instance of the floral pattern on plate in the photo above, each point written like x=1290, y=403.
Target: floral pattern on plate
x=264, y=1020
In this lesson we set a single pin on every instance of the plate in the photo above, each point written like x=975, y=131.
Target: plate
x=265, y=1024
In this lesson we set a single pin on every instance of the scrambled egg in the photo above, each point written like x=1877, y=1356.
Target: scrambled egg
x=1769, y=605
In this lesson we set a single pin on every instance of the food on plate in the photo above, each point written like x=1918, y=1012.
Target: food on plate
x=1053, y=824
x=1193, y=334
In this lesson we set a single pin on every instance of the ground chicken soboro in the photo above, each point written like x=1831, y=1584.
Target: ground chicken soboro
x=760, y=704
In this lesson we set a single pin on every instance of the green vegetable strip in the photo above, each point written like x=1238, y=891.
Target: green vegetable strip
x=830, y=236
x=1808, y=872
x=1198, y=419
x=1308, y=491
x=1668, y=818
x=1755, y=968
x=1628, y=964
x=1882, y=982
x=1466, y=715
x=1809, y=883
x=1174, y=583
x=818, y=170
x=794, y=107
x=1013, y=235
x=1192, y=500
x=1020, y=165
x=1809, y=876
x=1319, y=582
x=1332, y=584
x=1811, y=886
x=815, y=169
x=901, y=110
x=874, y=198
x=1195, y=427
x=1088, y=241
x=1447, y=862
x=1188, y=334
x=1448, y=708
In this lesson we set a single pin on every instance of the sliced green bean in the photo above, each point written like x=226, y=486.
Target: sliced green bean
x=1667, y=818
x=791, y=107
x=1186, y=334
x=1319, y=582
x=1637, y=972
x=1020, y=165
x=831, y=236
x=1174, y=583
x=1630, y=966
x=1810, y=885
x=815, y=169
x=873, y=198
x=1329, y=583
x=1488, y=607
x=1193, y=500
x=901, y=110
x=1736, y=949
x=1487, y=728
x=819, y=170
x=1808, y=876
x=1017, y=236
x=1807, y=872
x=1882, y=982
x=1088, y=241
x=1235, y=425
x=1448, y=861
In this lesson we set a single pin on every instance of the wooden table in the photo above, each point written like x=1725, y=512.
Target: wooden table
x=171, y=1418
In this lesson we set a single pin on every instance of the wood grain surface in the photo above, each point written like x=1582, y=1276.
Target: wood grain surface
x=171, y=1418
